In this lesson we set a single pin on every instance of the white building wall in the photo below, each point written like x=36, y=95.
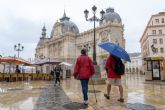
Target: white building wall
x=155, y=24
x=136, y=63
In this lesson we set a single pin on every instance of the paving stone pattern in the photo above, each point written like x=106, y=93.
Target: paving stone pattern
x=54, y=98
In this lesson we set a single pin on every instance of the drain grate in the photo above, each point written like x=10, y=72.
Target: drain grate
x=92, y=91
x=139, y=106
x=75, y=106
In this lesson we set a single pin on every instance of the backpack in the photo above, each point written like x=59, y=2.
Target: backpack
x=119, y=67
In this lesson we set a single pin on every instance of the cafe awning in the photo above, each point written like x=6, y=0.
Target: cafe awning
x=66, y=63
x=14, y=60
x=154, y=58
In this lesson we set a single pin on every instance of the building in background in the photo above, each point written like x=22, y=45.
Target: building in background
x=153, y=46
x=153, y=38
x=65, y=41
x=1, y=68
x=135, y=66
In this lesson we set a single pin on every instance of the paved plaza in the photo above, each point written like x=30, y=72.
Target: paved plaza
x=43, y=95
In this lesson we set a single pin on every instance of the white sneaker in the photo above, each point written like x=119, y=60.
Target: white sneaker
x=86, y=102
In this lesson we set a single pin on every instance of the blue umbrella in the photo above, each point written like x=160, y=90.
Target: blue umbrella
x=115, y=50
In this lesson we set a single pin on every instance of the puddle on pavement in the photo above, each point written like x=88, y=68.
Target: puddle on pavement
x=140, y=106
x=27, y=104
x=20, y=95
x=75, y=106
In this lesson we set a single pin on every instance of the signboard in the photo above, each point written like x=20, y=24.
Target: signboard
x=154, y=58
x=157, y=58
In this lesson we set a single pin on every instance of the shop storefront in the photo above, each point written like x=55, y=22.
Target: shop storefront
x=154, y=68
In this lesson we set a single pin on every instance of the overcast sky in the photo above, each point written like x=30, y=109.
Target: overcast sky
x=21, y=21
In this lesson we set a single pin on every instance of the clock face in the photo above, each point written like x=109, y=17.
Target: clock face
x=104, y=36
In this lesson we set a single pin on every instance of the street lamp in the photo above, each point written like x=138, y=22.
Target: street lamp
x=153, y=49
x=2, y=55
x=94, y=18
x=18, y=48
x=42, y=57
x=87, y=47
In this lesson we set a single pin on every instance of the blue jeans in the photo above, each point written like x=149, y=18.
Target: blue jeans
x=84, y=84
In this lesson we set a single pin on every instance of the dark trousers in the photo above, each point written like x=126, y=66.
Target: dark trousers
x=84, y=84
x=57, y=80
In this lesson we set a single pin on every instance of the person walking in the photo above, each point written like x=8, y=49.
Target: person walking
x=83, y=70
x=52, y=74
x=17, y=70
x=112, y=77
x=57, y=74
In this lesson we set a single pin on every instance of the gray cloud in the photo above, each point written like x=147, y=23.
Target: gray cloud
x=21, y=21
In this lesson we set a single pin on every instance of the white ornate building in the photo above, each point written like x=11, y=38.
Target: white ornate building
x=135, y=66
x=65, y=41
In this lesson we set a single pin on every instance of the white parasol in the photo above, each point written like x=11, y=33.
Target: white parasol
x=65, y=63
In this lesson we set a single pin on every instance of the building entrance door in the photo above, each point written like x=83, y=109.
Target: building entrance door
x=156, y=70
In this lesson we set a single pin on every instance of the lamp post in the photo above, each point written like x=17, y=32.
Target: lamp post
x=18, y=48
x=87, y=47
x=42, y=57
x=94, y=19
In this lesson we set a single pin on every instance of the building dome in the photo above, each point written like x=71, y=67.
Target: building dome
x=111, y=16
x=66, y=26
x=69, y=26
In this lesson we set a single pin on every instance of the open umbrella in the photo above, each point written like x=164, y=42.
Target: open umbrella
x=46, y=62
x=115, y=50
x=14, y=60
x=65, y=63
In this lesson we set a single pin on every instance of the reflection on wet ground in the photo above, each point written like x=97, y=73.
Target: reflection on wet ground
x=137, y=93
x=20, y=95
x=27, y=95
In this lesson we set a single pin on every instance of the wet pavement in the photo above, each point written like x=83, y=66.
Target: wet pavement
x=54, y=98
x=42, y=95
x=138, y=95
x=20, y=95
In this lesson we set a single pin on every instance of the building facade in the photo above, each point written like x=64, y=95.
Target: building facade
x=135, y=66
x=66, y=42
x=153, y=45
x=153, y=38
